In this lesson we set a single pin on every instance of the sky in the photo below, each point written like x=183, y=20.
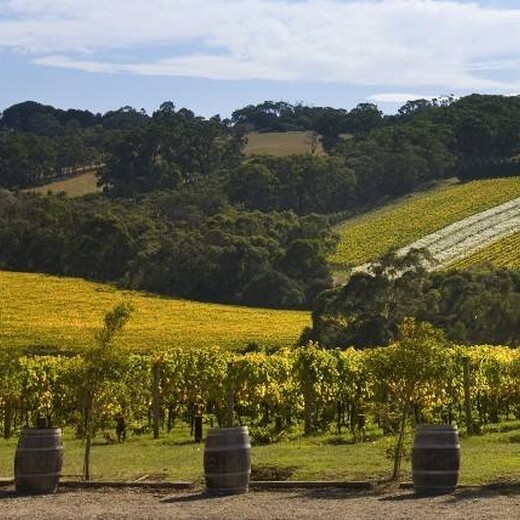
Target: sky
x=214, y=56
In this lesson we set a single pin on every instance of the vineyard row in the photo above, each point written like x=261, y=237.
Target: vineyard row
x=272, y=393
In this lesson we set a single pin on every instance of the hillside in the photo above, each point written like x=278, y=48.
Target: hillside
x=272, y=143
x=502, y=253
x=60, y=312
x=398, y=224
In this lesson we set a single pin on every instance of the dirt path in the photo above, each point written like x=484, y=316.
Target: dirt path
x=106, y=504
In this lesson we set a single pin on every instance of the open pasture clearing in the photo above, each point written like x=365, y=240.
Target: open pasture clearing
x=76, y=186
x=368, y=236
x=282, y=143
x=63, y=313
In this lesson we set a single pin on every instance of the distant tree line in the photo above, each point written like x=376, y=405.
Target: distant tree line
x=169, y=245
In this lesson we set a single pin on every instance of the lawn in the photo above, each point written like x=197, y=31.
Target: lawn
x=486, y=458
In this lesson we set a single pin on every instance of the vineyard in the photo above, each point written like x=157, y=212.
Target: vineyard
x=368, y=236
x=502, y=253
x=62, y=313
x=305, y=388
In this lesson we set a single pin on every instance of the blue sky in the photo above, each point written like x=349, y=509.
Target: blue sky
x=214, y=56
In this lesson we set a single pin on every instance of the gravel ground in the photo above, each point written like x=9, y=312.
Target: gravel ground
x=109, y=504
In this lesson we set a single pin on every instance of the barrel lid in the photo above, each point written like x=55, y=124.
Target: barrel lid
x=228, y=430
x=41, y=431
x=437, y=427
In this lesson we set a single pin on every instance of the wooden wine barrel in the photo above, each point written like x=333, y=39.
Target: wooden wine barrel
x=38, y=460
x=435, y=459
x=227, y=460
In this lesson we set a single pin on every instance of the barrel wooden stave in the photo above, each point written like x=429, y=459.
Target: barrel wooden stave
x=38, y=461
x=435, y=459
x=227, y=460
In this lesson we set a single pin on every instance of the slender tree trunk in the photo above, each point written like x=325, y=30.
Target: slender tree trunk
x=8, y=417
x=88, y=444
x=400, y=441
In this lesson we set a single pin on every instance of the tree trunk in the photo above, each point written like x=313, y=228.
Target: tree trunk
x=8, y=418
x=399, y=447
x=88, y=444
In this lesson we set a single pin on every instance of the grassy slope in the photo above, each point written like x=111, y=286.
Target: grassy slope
x=74, y=187
x=280, y=143
x=502, y=253
x=370, y=235
x=38, y=309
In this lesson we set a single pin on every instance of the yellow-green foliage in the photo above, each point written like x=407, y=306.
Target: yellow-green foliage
x=502, y=253
x=281, y=143
x=47, y=310
x=368, y=236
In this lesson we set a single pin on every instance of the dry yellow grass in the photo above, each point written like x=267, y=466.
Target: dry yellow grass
x=74, y=187
x=38, y=309
x=281, y=143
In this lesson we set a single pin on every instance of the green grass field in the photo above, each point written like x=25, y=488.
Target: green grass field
x=485, y=458
x=502, y=253
x=368, y=236
x=58, y=312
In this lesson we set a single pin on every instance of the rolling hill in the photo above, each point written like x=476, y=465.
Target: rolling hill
x=62, y=313
x=502, y=253
x=396, y=225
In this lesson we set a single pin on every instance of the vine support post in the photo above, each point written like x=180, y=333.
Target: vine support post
x=156, y=398
x=230, y=407
x=308, y=400
x=8, y=418
x=467, y=395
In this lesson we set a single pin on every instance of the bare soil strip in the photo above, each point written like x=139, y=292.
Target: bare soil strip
x=468, y=235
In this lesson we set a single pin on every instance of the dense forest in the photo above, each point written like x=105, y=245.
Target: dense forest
x=184, y=212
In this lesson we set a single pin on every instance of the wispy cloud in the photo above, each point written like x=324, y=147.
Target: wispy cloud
x=446, y=44
x=397, y=97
